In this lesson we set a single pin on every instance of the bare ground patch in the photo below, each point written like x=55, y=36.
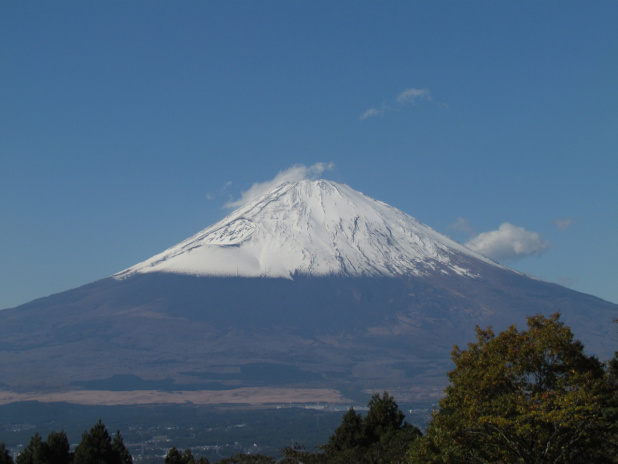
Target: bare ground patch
x=251, y=396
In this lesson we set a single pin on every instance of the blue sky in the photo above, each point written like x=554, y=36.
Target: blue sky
x=126, y=127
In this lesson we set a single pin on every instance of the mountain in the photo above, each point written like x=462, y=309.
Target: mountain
x=313, y=228
x=314, y=290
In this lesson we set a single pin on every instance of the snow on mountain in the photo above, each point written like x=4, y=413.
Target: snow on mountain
x=313, y=228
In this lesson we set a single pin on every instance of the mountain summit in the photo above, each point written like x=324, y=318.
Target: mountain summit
x=314, y=228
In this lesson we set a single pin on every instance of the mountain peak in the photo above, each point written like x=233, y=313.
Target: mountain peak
x=316, y=228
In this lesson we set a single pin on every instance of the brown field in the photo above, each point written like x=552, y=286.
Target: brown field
x=250, y=396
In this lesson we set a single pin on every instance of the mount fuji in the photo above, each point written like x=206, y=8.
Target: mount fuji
x=313, y=287
x=313, y=228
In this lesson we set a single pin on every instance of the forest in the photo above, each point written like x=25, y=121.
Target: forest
x=521, y=396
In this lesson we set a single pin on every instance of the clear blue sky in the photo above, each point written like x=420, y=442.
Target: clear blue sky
x=126, y=126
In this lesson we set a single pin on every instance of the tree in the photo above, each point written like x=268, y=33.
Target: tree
x=297, y=454
x=349, y=435
x=175, y=456
x=96, y=447
x=120, y=450
x=33, y=452
x=381, y=437
x=527, y=397
x=383, y=418
x=386, y=435
x=56, y=449
x=5, y=456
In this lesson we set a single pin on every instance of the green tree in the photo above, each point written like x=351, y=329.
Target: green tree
x=529, y=397
x=120, y=450
x=187, y=457
x=349, y=435
x=383, y=418
x=387, y=435
x=5, y=456
x=381, y=437
x=175, y=456
x=56, y=449
x=297, y=454
x=96, y=447
x=33, y=452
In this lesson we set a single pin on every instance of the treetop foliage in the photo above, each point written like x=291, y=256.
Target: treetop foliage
x=97, y=447
x=528, y=396
x=381, y=436
x=5, y=456
x=56, y=449
x=176, y=456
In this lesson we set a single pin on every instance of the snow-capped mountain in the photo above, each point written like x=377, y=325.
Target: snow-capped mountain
x=313, y=228
x=359, y=297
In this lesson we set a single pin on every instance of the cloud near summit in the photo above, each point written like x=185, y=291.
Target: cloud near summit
x=293, y=174
x=509, y=242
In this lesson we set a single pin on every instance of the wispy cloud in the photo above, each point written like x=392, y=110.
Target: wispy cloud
x=371, y=112
x=564, y=223
x=509, y=242
x=295, y=173
x=409, y=96
x=211, y=196
x=462, y=225
x=413, y=95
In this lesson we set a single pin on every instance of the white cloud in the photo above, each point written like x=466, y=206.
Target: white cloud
x=412, y=95
x=295, y=173
x=371, y=112
x=408, y=97
x=508, y=242
x=564, y=223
